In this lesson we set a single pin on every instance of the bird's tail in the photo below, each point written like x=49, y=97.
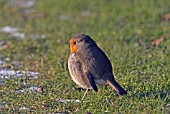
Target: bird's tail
x=116, y=87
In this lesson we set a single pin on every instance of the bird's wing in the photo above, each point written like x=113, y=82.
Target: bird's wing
x=91, y=80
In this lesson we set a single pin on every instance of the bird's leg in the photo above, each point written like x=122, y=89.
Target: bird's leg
x=85, y=94
x=99, y=91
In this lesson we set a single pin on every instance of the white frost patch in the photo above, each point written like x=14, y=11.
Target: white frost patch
x=19, y=35
x=13, y=31
x=24, y=108
x=68, y=100
x=8, y=74
x=23, y=3
x=32, y=89
x=9, y=29
x=1, y=62
x=3, y=104
x=25, y=6
x=20, y=91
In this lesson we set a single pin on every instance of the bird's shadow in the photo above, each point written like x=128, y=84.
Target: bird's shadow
x=155, y=95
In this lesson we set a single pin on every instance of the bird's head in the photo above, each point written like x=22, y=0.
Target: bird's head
x=80, y=41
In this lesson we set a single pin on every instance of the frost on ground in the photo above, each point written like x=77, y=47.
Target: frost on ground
x=25, y=6
x=8, y=74
x=24, y=108
x=65, y=101
x=13, y=31
x=31, y=89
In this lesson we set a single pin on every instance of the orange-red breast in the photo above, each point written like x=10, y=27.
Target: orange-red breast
x=89, y=66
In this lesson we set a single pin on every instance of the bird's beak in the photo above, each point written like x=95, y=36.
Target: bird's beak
x=67, y=42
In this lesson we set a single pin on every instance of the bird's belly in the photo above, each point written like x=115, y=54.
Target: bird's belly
x=77, y=78
x=80, y=82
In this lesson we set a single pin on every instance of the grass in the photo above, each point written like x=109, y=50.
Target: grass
x=123, y=29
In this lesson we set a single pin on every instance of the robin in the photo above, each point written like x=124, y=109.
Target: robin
x=89, y=66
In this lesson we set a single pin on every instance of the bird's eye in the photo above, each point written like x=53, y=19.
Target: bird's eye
x=74, y=42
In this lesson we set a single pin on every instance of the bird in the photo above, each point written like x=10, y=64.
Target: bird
x=89, y=66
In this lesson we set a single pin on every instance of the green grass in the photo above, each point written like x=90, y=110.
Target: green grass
x=123, y=29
